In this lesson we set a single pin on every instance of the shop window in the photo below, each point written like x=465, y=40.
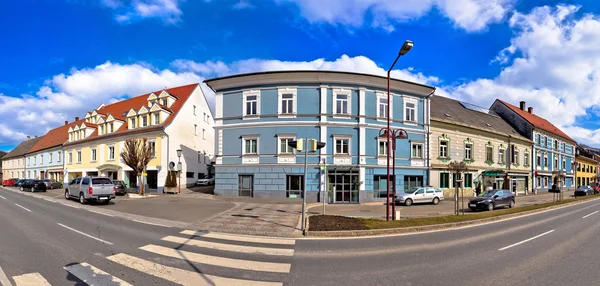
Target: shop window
x=380, y=186
x=294, y=186
x=411, y=182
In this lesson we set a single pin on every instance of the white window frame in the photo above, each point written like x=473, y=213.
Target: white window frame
x=245, y=95
x=416, y=108
x=79, y=155
x=412, y=145
x=250, y=137
x=335, y=112
x=285, y=137
x=111, y=154
x=280, y=93
x=379, y=142
x=440, y=149
x=92, y=151
x=383, y=96
x=349, y=138
x=154, y=149
x=486, y=153
x=204, y=134
x=59, y=156
x=195, y=129
x=70, y=157
x=194, y=110
x=470, y=150
x=50, y=157
x=156, y=116
x=41, y=159
x=502, y=159
x=144, y=120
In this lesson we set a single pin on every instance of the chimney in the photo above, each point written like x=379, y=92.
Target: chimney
x=66, y=122
x=530, y=110
x=76, y=118
x=522, y=105
x=28, y=137
x=35, y=136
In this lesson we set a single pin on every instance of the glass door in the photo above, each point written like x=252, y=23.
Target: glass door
x=246, y=185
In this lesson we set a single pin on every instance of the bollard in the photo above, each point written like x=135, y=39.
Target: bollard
x=397, y=215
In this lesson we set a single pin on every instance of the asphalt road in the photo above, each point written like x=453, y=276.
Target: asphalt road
x=42, y=241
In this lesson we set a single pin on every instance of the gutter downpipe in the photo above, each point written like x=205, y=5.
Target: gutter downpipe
x=509, y=163
x=168, y=158
x=428, y=131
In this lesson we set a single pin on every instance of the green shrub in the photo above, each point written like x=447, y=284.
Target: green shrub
x=171, y=180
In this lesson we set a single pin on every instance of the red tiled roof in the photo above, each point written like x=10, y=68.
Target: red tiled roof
x=537, y=121
x=55, y=137
x=117, y=109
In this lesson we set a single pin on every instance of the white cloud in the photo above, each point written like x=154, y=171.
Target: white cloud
x=470, y=15
x=128, y=11
x=243, y=4
x=552, y=63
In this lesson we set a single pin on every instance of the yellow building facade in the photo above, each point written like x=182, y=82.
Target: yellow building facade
x=587, y=168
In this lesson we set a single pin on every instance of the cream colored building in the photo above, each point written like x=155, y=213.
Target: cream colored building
x=13, y=163
x=496, y=155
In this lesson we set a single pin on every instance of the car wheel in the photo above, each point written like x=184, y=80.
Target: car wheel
x=67, y=195
x=408, y=202
x=490, y=206
x=81, y=199
x=436, y=201
x=511, y=204
x=21, y=189
x=31, y=189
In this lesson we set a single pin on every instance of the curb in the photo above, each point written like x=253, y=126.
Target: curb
x=417, y=229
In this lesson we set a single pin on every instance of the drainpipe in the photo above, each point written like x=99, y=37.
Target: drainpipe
x=168, y=158
x=427, y=130
x=511, y=155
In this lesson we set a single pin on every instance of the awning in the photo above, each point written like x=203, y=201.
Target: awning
x=491, y=173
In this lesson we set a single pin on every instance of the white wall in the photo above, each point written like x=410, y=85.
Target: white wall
x=181, y=136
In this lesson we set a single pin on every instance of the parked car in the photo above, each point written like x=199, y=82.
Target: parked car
x=9, y=182
x=52, y=184
x=86, y=189
x=492, y=199
x=420, y=195
x=121, y=190
x=33, y=186
x=584, y=191
x=19, y=183
x=205, y=181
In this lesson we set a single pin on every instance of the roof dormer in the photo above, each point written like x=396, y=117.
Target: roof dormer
x=152, y=98
x=142, y=110
x=110, y=118
x=131, y=113
x=166, y=99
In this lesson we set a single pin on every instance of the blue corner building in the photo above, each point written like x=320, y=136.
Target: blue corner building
x=258, y=113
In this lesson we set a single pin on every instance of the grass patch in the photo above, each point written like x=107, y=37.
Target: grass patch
x=330, y=223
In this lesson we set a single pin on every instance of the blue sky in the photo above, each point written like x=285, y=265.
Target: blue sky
x=62, y=58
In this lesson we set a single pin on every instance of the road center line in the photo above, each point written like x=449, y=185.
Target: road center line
x=85, y=234
x=529, y=239
x=150, y=223
x=2, y=197
x=590, y=214
x=4, y=279
x=18, y=205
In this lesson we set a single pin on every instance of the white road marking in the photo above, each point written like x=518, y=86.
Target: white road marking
x=230, y=247
x=93, y=276
x=590, y=214
x=68, y=205
x=97, y=212
x=241, y=238
x=218, y=261
x=529, y=239
x=83, y=233
x=150, y=223
x=31, y=279
x=4, y=279
x=180, y=276
x=18, y=205
x=2, y=197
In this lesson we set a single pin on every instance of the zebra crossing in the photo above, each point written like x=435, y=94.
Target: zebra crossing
x=237, y=260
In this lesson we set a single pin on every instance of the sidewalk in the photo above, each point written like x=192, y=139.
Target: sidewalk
x=445, y=207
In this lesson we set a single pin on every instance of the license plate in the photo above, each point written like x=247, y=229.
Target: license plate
x=472, y=205
x=103, y=198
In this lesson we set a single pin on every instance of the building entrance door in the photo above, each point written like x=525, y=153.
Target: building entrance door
x=344, y=185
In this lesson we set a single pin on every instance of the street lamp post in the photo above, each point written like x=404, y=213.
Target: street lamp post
x=179, y=169
x=406, y=47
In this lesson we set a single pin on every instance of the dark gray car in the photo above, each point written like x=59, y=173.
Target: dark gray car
x=492, y=199
x=121, y=190
x=86, y=189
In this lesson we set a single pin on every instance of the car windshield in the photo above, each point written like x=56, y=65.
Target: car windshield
x=488, y=193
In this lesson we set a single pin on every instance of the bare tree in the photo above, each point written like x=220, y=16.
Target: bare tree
x=457, y=168
x=137, y=154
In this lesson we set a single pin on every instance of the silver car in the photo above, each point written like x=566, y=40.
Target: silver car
x=86, y=189
x=420, y=195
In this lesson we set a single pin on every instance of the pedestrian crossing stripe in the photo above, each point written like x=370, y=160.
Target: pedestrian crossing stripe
x=256, y=239
x=229, y=247
x=180, y=276
x=31, y=279
x=94, y=276
x=219, y=261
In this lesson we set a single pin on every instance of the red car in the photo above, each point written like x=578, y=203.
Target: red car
x=9, y=183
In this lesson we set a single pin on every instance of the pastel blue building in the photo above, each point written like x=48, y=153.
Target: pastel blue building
x=45, y=160
x=258, y=113
x=553, y=150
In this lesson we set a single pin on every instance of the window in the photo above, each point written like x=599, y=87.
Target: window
x=539, y=159
x=34, y=160
x=195, y=130
x=111, y=127
x=204, y=116
x=501, y=156
x=383, y=150
x=489, y=154
x=341, y=146
x=204, y=134
x=156, y=118
x=468, y=151
x=195, y=110
x=380, y=184
x=152, y=148
x=468, y=180
x=199, y=158
x=410, y=112
x=111, y=152
x=444, y=180
x=382, y=111
x=411, y=182
x=547, y=141
x=538, y=139
x=70, y=157
x=284, y=148
x=41, y=159
x=251, y=104
x=251, y=146
x=555, y=144
x=294, y=186
x=443, y=149
x=78, y=156
x=164, y=102
x=101, y=129
x=417, y=151
x=189, y=175
x=132, y=123
x=50, y=157
x=287, y=104
x=144, y=121
x=564, y=164
x=526, y=159
x=93, y=155
x=515, y=156
x=555, y=167
x=342, y=104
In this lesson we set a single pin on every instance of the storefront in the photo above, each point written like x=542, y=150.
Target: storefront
x=516, y=182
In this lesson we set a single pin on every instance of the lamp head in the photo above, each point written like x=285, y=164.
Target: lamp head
x=178, y=152
x=406, y=47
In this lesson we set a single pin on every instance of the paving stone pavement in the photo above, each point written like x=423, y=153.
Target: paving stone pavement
x=256, y=219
